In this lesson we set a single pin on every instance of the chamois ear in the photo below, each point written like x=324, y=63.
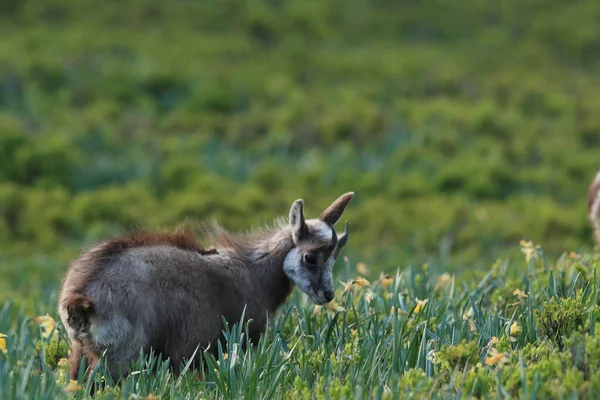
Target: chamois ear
x=297, y=220
x=333, y=213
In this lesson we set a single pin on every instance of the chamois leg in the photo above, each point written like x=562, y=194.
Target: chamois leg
x=92, y=359
x=82, y=354
x=78, y=352
x=76, y=359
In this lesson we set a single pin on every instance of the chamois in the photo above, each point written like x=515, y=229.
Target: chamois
x=594, y=206
x=164, y=292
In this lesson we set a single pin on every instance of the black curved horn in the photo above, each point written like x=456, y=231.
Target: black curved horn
x=334, y=238
x=342, y=240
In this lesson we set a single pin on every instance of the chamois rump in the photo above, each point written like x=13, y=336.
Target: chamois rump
x=164, y=292
x=594, y=206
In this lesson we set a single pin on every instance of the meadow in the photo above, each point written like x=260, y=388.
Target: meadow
x=464, y=129
x=514, y=331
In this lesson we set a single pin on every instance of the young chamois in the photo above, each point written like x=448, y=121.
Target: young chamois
x=166, y=293
x=594, y=206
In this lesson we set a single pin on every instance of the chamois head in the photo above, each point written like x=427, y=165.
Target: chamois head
x=316, y=247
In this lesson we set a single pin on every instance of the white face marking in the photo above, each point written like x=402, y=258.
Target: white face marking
x=297, y=272
x=320, y=229
x=292, y=266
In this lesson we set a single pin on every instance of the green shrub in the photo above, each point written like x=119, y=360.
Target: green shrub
x=558, y=318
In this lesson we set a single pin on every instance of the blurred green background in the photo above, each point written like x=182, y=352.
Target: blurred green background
x=462, y=126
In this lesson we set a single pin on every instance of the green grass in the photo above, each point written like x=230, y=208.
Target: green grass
x=462, y=126
x=418, y=334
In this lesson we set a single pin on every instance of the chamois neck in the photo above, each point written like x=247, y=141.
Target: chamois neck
x=266, y=259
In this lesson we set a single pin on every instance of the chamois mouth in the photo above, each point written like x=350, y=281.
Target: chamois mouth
x=319, y=298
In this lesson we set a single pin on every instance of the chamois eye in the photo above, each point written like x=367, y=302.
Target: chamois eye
x=310, y=259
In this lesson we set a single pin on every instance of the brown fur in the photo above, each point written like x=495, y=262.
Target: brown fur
x=184, y=240
x=79, y=352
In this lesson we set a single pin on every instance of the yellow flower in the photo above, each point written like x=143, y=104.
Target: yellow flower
x=574, y=256
x=386, y=280
x=151, y=397
x=317, y=309
x=515, y=329
x=520, y=294
x=432, y=356
x=495, y=357
x=529, y=250
x=3, y=343
x=347, y=285
x=225, y=356
x=420, y=305
x=362, y=282
x=525, y=244
x=362, y=269
x=472, y=327
x=493, y=341
x=399, y=311
x=73, y=386
x=333, y=306
x=530, y=254
x=445, y=278
x=369, y=297
x=468, y=314
x=389, y=296
x=47, y=324
x=353, y=332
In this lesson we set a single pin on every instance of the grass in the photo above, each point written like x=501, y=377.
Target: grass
x=474, y=128
x=522, y=329
x=477, y=126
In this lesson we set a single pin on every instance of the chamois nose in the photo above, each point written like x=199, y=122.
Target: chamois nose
x=328, y=295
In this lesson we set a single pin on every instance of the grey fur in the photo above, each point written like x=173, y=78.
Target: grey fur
x=167, y=294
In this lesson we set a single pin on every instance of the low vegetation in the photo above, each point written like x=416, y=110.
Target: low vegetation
x=521, y=330
x=462, y=127
x=471, y=125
